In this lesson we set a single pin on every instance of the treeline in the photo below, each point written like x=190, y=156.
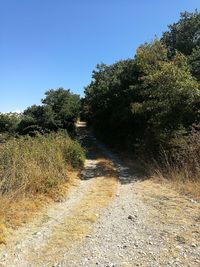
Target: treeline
x=150, y=102
x=59, y=110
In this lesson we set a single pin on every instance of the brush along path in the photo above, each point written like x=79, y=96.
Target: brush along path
x=50, y=236
x=144, y=224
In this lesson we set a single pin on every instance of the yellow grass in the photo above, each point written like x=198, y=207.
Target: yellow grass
x=20, y=210
x=169, y=207
x=175, y=179
x=33, y=172
x=179, y=179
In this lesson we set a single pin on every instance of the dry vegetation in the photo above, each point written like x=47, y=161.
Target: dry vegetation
x=33, y=171
x=168, y=207
x=178, y=169
x=181, y=167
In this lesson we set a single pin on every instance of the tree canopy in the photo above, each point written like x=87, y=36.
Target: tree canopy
x=184, y=36
x=147, y=101
x=59, y=110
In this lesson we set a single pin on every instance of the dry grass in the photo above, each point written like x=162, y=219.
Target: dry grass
x=178, y=167
x=32, y=165
x=170, y=209
x=175, y=179
x=21, y=210
x=33, y=172
x=182, y=165
x=172, y=176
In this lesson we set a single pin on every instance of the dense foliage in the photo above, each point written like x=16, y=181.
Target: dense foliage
x=9, y=122
x=146, y=102
x=184, y=36
x=59, y=110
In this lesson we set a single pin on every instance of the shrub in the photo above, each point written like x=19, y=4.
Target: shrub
x=9, y=122
x=31, y=165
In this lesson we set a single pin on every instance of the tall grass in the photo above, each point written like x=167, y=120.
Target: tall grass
x=181, y=165
x=32, y=171
x=35, y=165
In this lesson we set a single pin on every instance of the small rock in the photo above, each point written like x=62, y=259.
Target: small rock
x=193, y=201
x=180, y=239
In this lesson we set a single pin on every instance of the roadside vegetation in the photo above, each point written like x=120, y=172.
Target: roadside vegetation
x=150, y=105
x=39, y=156
x=36, y=165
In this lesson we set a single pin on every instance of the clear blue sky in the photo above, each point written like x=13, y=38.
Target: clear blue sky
x=57, y=43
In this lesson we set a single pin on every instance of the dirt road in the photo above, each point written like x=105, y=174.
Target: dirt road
x=112, y=218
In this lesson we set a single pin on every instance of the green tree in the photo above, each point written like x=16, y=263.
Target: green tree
x=194, y=61
x=59, y=110
x=184, y=36
x=107, y=101
x=65, y=105
x=168, y=90
x=9, y=122
x=43, y=116
x=143, y=102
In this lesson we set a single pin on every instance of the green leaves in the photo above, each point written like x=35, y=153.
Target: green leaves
x=9, y=122
x=60, y=109
x=184, y=36
x=168, y=90
x=64, y=104
x=145, y=101
x=194, y=61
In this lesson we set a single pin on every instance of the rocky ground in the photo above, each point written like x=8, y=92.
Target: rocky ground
x=112, y=218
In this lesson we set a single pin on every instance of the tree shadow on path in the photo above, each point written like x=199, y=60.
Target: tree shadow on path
x=95, y=151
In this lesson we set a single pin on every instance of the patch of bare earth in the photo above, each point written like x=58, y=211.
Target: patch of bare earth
x=108, y=222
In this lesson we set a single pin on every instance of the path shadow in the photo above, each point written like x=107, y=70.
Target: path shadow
x=96, y=150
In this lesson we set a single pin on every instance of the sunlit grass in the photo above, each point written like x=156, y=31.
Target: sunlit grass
x=31, y=168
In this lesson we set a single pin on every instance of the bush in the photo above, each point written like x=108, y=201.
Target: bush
x=31, y=165
x=9, y=122
x=186, y=155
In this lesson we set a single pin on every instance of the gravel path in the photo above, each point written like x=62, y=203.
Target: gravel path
x=108, y=222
